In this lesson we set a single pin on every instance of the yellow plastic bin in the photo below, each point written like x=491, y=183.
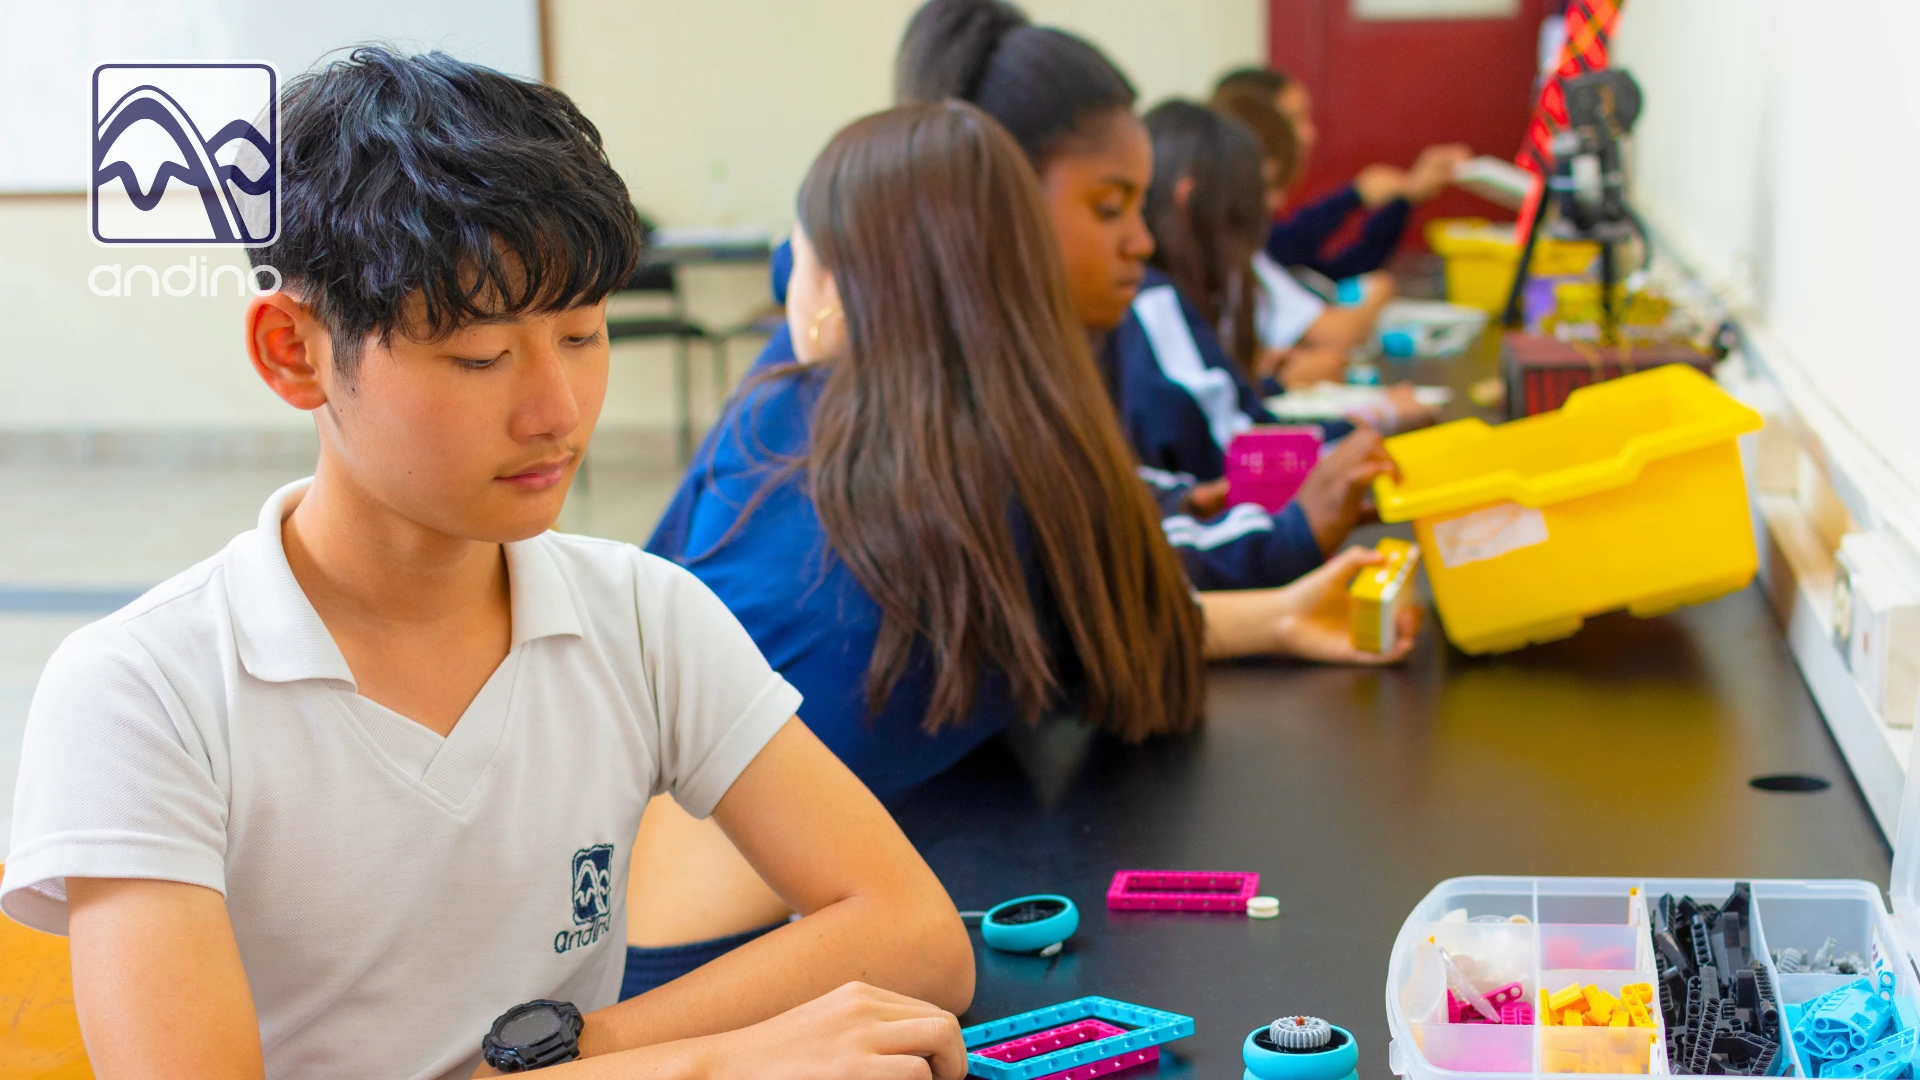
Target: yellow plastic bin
x=1481, y=258
x=1630, y=496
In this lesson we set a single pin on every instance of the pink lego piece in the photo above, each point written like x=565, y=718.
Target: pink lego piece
x=1503, y=1000
x=1516, y=1012
x=1046, y=1042
x=1181, y=890
x=1268, y=464
x=1074, y=1034
x=1106, y=1065
x=1507, y=993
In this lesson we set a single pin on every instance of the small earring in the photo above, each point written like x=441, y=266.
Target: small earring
x=828, y=312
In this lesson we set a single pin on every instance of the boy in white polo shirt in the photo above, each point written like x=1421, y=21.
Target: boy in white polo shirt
x=359, y=792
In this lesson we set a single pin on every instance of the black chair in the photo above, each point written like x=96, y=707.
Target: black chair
x=657, y=282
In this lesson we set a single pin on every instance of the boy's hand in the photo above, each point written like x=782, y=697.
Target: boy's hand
x=1409, y=412
x=857, y=1032
x=1334, y=494
x=1379, y=185
x=1433, y=170
x=1310, y=365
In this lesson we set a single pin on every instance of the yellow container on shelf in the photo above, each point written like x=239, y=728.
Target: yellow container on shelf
x=1631, y=496
x=1481, y=258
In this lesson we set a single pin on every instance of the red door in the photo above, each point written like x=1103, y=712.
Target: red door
x=1382, y=89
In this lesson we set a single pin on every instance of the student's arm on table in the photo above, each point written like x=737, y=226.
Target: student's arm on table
x=872, y=912
x=1321, y=353
x=161, y=995
x=1306, y=620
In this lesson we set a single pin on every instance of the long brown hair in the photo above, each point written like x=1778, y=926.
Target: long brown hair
x=1207, y=245
x=967, y=416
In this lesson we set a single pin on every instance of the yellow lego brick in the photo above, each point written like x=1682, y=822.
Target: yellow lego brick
x=1594, y=996
x=1378, y=593
x=1561, y=999
x=1619, y=1019
x=1640, y=992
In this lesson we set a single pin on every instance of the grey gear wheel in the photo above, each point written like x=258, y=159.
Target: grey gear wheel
x=1300, y=1033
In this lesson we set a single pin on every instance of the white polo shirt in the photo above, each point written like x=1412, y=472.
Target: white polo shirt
x=1284, y=310
x=392, y=891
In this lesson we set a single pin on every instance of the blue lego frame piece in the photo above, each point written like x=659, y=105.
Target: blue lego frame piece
x=1151, y=1027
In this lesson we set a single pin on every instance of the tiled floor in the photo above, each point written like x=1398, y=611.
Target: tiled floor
x=79, y=542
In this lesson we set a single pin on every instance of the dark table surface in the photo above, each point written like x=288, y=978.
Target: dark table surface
x=1623, y=751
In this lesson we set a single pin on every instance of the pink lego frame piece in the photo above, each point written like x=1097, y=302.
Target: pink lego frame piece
x=1267, y=465
x=1181, y=890
x=1046, y=1042
x=1074, y=1034
x=1106, y=1065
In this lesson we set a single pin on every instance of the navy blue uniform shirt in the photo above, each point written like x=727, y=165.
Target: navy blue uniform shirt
x=1297, y=239
x=1170, y=432
x=774, y=569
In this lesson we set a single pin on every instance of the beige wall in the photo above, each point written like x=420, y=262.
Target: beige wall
x=710, y=109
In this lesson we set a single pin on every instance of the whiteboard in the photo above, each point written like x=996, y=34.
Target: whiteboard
x=49, y=48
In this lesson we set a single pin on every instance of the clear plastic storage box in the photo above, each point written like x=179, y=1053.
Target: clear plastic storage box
x=1596, y=931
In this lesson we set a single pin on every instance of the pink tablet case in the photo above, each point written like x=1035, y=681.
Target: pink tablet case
x=1268, y=464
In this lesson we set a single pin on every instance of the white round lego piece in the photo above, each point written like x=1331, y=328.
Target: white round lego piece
x=1263, y=907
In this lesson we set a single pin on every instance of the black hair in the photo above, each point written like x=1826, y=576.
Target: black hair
x=1207, y=247
x=1045, y=86
x=1259, y=80
x=486, y=194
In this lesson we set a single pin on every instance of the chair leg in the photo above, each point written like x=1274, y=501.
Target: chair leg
x=683, y=397
x=722, y=373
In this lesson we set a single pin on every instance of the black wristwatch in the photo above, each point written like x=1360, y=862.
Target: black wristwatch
x=533, y=1036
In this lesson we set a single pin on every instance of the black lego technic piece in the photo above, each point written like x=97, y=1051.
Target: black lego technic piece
x=1721, y=1009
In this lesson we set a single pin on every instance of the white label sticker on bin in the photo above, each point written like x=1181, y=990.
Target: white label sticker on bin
x=1488, y=534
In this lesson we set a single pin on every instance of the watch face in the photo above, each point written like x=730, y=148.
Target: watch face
x=530, y=1027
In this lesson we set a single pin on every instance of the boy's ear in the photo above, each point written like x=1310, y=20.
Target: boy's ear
x=289, y=348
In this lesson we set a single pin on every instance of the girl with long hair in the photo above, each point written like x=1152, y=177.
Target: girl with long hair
x=929, y=522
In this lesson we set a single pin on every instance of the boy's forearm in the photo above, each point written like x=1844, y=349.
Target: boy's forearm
x=687, y=1059
x=912, y=946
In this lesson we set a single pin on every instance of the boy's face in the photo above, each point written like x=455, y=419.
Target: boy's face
x=476, y=435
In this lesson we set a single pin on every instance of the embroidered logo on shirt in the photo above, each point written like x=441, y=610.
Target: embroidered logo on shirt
x=592, y=898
